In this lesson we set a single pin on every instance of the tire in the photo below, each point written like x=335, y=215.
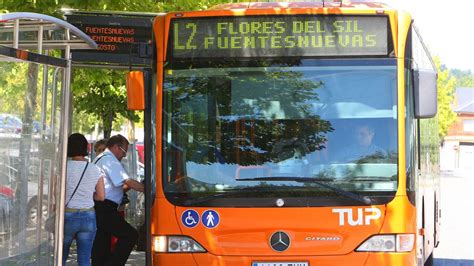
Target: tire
x=33, y=211
x=430, y=261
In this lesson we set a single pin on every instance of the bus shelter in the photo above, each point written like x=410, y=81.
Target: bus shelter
x=35, y=96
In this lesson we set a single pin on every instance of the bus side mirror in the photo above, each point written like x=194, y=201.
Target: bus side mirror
x=426, y=93
x=135, y=90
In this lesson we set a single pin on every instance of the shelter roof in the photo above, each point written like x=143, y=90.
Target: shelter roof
x=33, y=31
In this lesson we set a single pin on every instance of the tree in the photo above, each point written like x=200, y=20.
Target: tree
x=185, y=5
x=12, y=85
x=204, y=105
x=467, y=80
x=94, y=97
x=446, y=91
x=465, y=77
x=102, y=94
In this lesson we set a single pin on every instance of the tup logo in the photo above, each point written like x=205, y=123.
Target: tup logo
x=363, y=216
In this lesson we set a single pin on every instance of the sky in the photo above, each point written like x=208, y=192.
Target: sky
x=447, y=28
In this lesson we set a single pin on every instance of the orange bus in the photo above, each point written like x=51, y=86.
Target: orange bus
x=293, y=134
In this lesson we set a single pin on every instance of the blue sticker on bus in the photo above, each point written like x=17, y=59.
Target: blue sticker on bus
x=210, y=219
x=190, y=218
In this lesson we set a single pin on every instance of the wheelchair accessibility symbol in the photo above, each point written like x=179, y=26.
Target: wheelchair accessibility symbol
x=190, y=218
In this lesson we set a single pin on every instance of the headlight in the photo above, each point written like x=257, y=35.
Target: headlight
x=388, y=243
x=176, y=244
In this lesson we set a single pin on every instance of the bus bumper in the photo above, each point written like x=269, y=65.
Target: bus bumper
x=353, y=258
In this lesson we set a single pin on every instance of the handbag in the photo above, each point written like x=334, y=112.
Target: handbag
x=50, y=222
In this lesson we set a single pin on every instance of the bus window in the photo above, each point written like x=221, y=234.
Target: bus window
x=278, y=120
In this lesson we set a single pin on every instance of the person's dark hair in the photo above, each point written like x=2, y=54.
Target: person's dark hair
x=98, y=143
x=77, y=145
x=117, y=139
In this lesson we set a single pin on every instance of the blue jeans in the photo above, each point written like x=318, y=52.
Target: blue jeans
x=81, y=225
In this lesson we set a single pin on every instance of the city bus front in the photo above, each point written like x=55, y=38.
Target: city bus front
x=280, y=151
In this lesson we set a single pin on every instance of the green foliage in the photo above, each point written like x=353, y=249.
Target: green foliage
x=12, y=87
x=52, y=7
x=198, y=104
x=186, y=5
x=99, y=95
x=102, y=94
x=446, y=92
x=49, y=7
x=465, y=78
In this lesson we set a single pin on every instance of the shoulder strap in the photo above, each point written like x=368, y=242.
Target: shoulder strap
x=98, y=158
x=82, y=175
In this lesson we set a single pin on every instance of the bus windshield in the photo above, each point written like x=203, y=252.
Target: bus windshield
x=312, y=133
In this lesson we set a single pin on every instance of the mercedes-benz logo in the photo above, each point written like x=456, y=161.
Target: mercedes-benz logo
x=280, y=202
x=280, y=241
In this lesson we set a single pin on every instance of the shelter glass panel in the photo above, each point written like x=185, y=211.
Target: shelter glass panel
x=30, y=108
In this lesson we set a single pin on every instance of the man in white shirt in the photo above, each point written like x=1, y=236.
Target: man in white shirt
x=109, y=221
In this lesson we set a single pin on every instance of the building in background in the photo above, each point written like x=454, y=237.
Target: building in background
x=457, y=151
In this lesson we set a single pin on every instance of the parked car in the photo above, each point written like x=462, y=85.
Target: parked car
x=6, y=192
x=10, y=123
x=6, y=204
x=33, y=203
x=141, y=151
x=38, y=128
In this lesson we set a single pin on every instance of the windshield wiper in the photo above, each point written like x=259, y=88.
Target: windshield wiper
x=317, y=181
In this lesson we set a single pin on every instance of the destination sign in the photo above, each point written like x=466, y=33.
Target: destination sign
x=114, y=39
x=269, y=36
x=123, y=39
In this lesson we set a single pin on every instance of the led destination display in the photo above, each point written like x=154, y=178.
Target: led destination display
x=265, y=36
x=122, y=38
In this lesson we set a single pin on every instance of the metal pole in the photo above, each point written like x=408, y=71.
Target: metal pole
x=149, y=147
x=64, y=129
x=54, y=93
x=16, y=29
x=39, y=203
x=53, y=178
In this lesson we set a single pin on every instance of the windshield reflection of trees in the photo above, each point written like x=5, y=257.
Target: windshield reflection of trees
x=240, y=118
x=249, y=138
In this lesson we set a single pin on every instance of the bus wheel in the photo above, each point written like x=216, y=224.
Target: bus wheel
x=429, y=261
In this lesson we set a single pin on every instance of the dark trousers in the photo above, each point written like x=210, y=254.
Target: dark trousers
x=109, y=223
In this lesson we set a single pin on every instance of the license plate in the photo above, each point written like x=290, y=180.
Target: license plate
x=280, y=263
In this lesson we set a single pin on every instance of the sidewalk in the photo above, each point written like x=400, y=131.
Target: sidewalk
x=457, y=172
x=457, y=233
x=137, y=258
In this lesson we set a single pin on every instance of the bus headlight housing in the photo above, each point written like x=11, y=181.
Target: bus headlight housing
x=388, y=243
x=176, y=244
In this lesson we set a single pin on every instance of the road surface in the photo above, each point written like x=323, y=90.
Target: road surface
x=457, y=220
